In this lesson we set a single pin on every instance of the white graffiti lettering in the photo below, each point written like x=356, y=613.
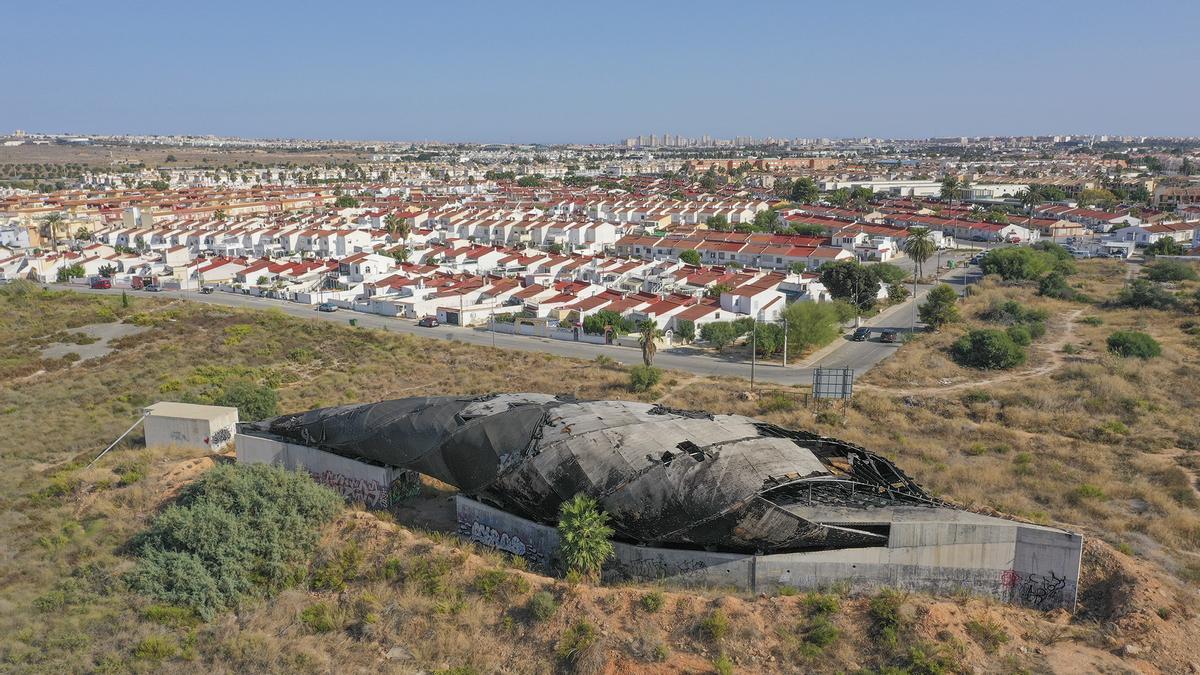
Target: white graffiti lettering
x=500, y=540
x=365, y=490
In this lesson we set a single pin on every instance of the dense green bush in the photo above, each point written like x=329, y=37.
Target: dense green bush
x=643, y=378
x=811, y=324
x=542, y=606
x=988, y=349
x=718, y=333
x=1054, y=285
x=253, y=401
x=1133, y=343
x=940, y=307
x=1170, y=270
x=1142, y=294
x=1013, y=313
x=743, y=326
x=238, y=531
x=1020, y=263
x=595, y=324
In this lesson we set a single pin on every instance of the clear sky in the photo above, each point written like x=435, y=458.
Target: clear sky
x=577, y=71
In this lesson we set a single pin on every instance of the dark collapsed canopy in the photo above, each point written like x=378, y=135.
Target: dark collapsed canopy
x=667, y=477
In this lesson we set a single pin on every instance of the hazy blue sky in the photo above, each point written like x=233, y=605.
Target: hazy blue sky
x=505, y=70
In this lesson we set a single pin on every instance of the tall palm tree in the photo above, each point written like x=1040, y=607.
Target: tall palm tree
x=51, y=223
x=649, y=332
x=950, y=186
x=1029, y=199
x=397, y=226
x=920, y=247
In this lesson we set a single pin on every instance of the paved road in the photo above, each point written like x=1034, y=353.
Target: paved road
x=843, y=353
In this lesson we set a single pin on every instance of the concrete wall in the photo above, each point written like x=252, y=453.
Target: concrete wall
x=1009, y=561
x=375, y=485
x=211, y=431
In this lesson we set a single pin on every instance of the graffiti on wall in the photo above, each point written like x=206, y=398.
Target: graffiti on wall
x=502, y=541
x=656, y=567
x=365, y=490
x=221, y=437
x=1039, y=591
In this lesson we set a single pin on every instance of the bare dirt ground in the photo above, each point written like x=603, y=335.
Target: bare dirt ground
x=1052, y=358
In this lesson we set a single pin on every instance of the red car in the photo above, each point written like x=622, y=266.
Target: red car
x=428, y=322
x=102, y=282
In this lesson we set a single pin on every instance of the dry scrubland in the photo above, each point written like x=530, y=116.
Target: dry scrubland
x=1045, y=447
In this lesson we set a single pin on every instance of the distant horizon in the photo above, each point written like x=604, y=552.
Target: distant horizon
x=616, y=142
x=564, y=73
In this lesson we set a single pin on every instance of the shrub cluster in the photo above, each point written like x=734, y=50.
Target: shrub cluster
x=643, y=378
x=1129, y=343
x=988, y=349
x=238, y=531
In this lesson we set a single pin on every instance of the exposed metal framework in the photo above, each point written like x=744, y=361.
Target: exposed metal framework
x=666, y=477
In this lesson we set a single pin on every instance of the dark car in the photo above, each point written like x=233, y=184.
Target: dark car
x=861, y=334
x=429, y=322
x=890, y=335
x=327, y=307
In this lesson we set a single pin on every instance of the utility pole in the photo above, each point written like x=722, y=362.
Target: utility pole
x=785, y=342
x=753, y=351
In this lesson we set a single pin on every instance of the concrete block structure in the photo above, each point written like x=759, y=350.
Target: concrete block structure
x=943, y=551
x=693, y=497
x=376, y=485
x=204, y=427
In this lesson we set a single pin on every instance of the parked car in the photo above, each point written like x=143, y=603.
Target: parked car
x=207, y=290
x=102, y=282
x=327, y=307
x=152, y=288
x=890, y=335
x=861, y=334
x=428, y=322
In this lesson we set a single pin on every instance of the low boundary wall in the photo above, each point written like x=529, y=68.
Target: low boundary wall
x=1009, y=561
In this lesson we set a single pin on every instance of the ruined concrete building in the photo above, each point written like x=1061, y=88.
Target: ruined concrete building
x=720, y=498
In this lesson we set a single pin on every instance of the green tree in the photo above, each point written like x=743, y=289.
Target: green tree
x=1098, y=197
x=1165, y=246
x=811, y=325
x=50, y=225
x=764, y=221
x=940, y=307
x=690, y=257
x=1170, y=270
x=596, y=323
x=533, y=180
x=949, y=191
x=718, y=223
x=584, y=536
x=648, y=334
x=685, y=329
x=643, y=378
x=768, y=339
x=716, y=290
x=838, y=197
x=852, y=281
x=1143, y=294
x=397, y=226
x=254, y=402
x=346, y=202
x=1018, y=263
x=888, y=274
x=988, y=349
x=805, y=191
x=919, y=246
x=719, y=334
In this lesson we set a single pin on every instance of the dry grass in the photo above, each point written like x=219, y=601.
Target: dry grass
x=63, y=530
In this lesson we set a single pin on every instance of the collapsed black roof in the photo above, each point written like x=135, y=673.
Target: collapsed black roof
x=666, y=477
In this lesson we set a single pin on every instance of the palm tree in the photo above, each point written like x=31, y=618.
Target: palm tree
x=920, y=247
x=649, y=332
x=401, y=254
x=950, y=187
x=1029, y=199
x=584, y=536
x=51, y=223
x=397, y=226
